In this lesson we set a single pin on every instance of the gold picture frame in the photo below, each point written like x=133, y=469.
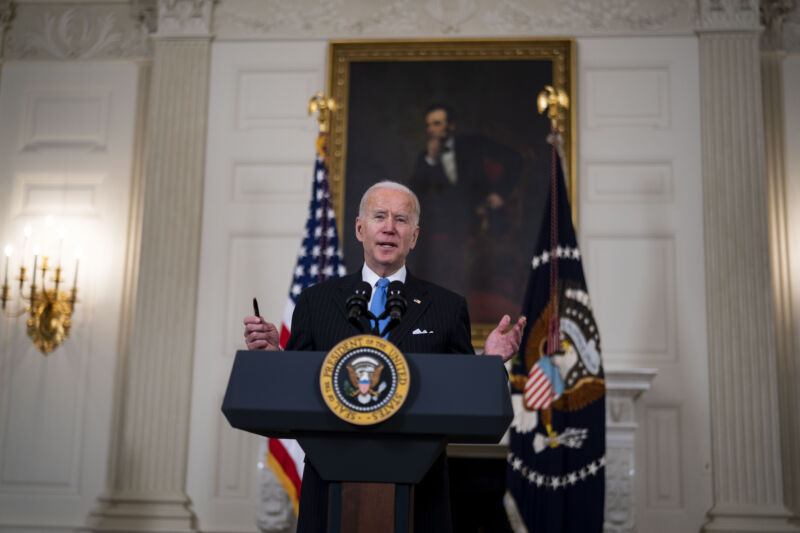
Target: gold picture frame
x=382, y=89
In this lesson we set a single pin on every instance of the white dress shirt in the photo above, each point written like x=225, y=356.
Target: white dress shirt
x=372, y=278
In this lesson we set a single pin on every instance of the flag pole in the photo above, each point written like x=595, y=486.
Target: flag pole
x=555, y=102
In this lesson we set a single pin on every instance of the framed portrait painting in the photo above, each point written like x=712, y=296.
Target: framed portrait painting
x=457, y=122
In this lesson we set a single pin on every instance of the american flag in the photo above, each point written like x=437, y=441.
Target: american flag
x=319, y=259
x=539, y=393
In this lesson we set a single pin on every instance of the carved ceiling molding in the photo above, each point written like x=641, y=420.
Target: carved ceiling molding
x=96, y=30
x=340, y=19
x=581, y=15
x=182, y=19
x=728, y=15
x=43, y=31
x=789, y=36
x=773, y=14
x=7, y=11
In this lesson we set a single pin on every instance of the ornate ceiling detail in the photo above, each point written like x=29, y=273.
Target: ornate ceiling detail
x=7, y=10
x=791, y=33
x=337, y=19
x=146, y=13
x=93, y=30
x=67, y=31
x=728, y=15
x=773, y=14
x=184, y=18
x=451, y=16
x=582, y=15
x=314, y=18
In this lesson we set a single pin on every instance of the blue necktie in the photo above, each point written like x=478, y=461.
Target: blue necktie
x=378, y=305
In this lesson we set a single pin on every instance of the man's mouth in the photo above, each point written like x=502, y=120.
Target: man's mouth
x=387, y=245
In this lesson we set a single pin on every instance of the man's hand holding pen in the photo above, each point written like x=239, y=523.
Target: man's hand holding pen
x=258, y=333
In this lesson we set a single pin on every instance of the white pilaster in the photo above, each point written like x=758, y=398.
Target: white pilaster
x=147, y=482
x=746, y=453
x=773, y=14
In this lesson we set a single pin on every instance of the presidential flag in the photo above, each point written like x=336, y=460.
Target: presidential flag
x=319, y=259
x=556, y=459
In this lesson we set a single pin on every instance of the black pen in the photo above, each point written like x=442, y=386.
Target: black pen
x=255, y=307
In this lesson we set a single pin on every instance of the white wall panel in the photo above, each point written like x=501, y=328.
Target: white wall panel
x=44, y=418
x=633, y=289
x=65, y=118
x=57, y=192
x=268, y=182
x=641, y=227
x=261, y=146
x=66, y=139
x=275, y=98
x=663, y=457
x=635, y=96
x=629, y=181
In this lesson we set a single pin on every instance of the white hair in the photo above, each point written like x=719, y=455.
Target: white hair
x=393, y=185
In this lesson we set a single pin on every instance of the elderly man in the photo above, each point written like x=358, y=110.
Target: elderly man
x=387, y=226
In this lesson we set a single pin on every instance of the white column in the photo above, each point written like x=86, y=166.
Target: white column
x=147, y=480
x=772, y=55
x=745, y=438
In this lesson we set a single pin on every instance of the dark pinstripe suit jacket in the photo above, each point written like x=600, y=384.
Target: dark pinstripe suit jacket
x=320, y=321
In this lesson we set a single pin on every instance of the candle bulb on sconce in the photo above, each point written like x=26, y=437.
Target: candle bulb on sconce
x=61, y=233
x=78, y=254
x=36, y=251
x=9, y=250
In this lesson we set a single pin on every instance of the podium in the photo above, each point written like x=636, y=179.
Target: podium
x=452, y=399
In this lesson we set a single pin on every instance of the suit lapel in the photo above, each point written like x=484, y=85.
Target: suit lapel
x=417, y=302
x=345, y=289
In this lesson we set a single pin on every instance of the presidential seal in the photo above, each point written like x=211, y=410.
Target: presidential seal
x=364, y=380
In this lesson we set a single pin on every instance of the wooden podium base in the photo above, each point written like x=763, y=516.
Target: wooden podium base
x=370, y=508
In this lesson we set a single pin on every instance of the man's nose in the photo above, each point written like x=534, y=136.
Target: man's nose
x=388, y=225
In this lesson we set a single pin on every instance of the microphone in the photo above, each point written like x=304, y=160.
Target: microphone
x=396, y=300
x=356, y=305
x=395, y=305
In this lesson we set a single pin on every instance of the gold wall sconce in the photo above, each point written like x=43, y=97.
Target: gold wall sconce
x=49, y=308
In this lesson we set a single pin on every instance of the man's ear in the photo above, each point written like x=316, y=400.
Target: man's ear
x=414, y=238
x=359, y=229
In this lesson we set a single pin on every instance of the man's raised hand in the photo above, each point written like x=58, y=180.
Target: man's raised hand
x=505, y=344
x=260, y=335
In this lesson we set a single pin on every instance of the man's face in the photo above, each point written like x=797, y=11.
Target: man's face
x=437, y=125
x=387, y=230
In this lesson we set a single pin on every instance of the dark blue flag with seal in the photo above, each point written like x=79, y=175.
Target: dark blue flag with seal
x=556, y=458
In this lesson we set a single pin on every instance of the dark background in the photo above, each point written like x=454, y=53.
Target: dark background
x=496, y=99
